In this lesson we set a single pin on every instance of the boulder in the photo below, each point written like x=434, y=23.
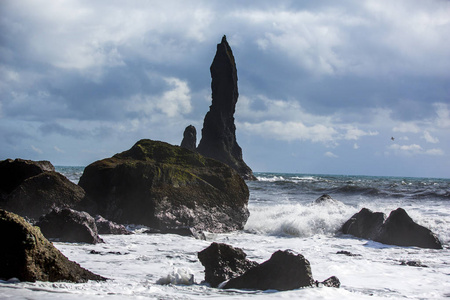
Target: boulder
x=364, y=224
x=398, y=229
x=189, y=138
x=108, y=227
x=223, y=262
x=164, y=186
x=285, y=270
x=68, y=225
x=39, y=194
x=333, y=281
x=219, y=131
x=14, y=172
x=27, y=255
x=324, y=199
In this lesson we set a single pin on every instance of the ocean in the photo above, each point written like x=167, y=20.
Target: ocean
x=283, y=215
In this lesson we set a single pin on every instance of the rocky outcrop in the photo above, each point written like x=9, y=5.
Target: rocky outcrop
x=39, y=194
x=14, y=172
x=219, y=131
x=189, y=138
x=398, y=229
x=285, y=270
x=108, y=227
x=164, y=186
x=325, y=199
x=228, y=267
x=27, y=255
x=223, y=262
x=68, y=225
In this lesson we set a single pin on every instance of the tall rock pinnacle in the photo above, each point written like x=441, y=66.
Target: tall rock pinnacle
x=219, y=132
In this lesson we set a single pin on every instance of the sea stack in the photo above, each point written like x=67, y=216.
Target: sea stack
x=219, y=132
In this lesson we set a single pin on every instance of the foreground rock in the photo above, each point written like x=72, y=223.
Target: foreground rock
x=32, y=188
x=228, y=267
x=398, y=229
x=285, y=270
x=219, y=132
x=68, y=225
x=165, y=187
x=223, y=262
x=25, y=254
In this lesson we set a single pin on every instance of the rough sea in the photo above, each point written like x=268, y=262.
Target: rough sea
x=283, y=215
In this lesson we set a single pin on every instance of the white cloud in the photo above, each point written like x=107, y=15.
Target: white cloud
x=443, y=115
x=414, y=149
x=173, y=102
x=37, y=150
x=330, y=154
x=58, y=149
x=407, y=127
x=355, y=146
x=430, y=139
x=353, y=133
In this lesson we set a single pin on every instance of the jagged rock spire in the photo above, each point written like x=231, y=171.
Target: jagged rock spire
x=219, y=132
x=189, y=138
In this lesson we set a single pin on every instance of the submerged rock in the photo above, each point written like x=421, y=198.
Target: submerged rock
x=27, y=255
x=285, y=270
x=223, y=262
x=398, y=229
x=219, y=132
x=68, y=225
x=164, y=186
x=189, y=138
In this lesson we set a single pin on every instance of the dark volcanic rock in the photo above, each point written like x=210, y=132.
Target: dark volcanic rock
x=219, y=132
x=39, y=194
x=333, y=281
x=28, y=256
x=325, y=199
x=365, y=224
x=223, y=262
x=109, y=227
x=14, y=172
x=398, y=229
x=285, y=270
x=164, y=186
x=189, y=138
x=68, y=225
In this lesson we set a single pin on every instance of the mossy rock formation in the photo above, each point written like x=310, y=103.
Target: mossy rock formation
x=164, y=186
x=27, y=255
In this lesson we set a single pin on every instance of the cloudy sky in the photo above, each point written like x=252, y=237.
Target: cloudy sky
x=323, y=85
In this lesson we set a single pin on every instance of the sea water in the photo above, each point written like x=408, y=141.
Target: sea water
x=283, y=215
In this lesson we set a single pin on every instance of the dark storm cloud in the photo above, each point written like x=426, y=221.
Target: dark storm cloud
x=325, y=73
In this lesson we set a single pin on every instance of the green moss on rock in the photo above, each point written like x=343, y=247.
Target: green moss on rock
x=162, y=186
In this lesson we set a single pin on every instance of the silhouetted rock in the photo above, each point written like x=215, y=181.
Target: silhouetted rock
x=39, y=194
x=165, y=186
x=219, y=132
x=68, y=225
x=14, y=172
x=25, y=254
x=285, y=270
x=223, y=262
x=364, y=224
x=398, y=229
x=189, y=138
x=109, y=227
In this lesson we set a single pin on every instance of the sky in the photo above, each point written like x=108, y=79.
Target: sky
x=323, y=85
